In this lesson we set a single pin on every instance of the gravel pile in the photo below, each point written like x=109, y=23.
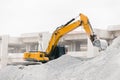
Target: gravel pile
x=106, y=66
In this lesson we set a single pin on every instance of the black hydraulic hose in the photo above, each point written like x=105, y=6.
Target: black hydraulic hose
x=69, y=22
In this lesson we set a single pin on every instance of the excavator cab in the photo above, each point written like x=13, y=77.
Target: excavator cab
x=57, y=52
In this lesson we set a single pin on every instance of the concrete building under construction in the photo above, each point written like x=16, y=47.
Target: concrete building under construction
x=74, y=41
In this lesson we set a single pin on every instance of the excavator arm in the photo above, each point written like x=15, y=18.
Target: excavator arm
x=69, y=26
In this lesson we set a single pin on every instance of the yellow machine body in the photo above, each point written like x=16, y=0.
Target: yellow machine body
x=57, y=34
x=35, y=56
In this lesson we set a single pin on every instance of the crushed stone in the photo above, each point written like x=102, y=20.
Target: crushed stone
x=106, y=66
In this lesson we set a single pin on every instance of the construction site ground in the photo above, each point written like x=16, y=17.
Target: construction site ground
x=106, y=66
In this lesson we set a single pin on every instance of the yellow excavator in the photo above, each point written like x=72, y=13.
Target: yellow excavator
x=54, y=51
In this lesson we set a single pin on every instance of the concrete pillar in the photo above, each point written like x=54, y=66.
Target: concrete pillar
x=77, y=46
x=92, y=51
x=4, y=50
x=46, y=36
x=27, y=47
x=40, y=46
x=0, y=47
x=73, y=46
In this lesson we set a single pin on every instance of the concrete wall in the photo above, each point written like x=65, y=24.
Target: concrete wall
x=4, y=50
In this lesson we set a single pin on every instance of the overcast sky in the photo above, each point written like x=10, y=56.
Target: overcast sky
x=27, y=16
